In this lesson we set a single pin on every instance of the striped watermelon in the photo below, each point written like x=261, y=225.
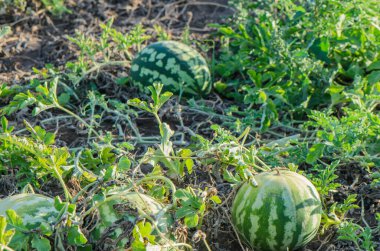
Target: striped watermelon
x=283, y=212
x=34, y=209
x=175, y=65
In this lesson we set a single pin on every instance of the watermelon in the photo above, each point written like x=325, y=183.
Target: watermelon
x=34, y=209
x=175, y=65
x=126, y=209
x=283, y=212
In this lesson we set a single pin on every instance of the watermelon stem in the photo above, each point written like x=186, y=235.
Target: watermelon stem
x=277, y=170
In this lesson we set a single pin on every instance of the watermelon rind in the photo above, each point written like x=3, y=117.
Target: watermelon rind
x=177, y=66
x=34, y=209
x=283, y=212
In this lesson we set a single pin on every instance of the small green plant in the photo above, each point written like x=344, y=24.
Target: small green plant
x=10, y=4
x=194, y=205
x=5, y=235
x=352, y=136
x=46, y=159
x=325, y=178
x=28, y=239
x=287, y=56
x=98, y=53
x=4, y=31
x=56, y=7
x=176, y=161
x=361, y=237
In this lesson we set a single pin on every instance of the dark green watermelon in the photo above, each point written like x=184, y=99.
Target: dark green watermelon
x=175, y=65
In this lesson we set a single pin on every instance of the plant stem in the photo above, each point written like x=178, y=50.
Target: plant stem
x=62, y=182
x=91, y=122
x=98, y=66
x=206, y=244
x=4, y=247
x=74, y=200
x=78, y=118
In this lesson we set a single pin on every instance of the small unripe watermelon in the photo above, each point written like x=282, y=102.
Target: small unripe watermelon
x=175, y=65
x=283, y=212
x=34, y=209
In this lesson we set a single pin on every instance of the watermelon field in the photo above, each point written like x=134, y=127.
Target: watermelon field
x=190, y=125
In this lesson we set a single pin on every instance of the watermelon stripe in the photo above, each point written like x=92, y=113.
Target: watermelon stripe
x=300, y=218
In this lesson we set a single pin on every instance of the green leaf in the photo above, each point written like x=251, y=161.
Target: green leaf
x=164, y=98
x=220, y=86
x=5, y=30
x=315, y=152
x=122, y=80
x=142, y=231
x=138, y=245
x=46, y=229
x=4, y=123
x=64, y=99
x=136, y=102
x=49, y=138
x=5, y=236
x=320, y=48
x=189, y=165
x=124, y=164
x=110, y=173
x=158, y=192
x=216, y=199
x=255, y=77
x=126, y=145
x=166, y=134
x=184, y=153
x=185, y=211
x=183, y=194
x=158, y=99
x=41, y=243
x=374, y=66
x=191, y=220
x=228, y=31
x=374, y=77
x=155, y=91
x=75, y=236
x=262, y=97
x=14, y=219
x=228, y=176
x=19, y=102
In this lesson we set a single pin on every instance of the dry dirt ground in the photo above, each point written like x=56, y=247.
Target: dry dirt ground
x=39, y=39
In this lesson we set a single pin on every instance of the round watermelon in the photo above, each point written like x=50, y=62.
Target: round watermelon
x=283, y=212
x=34, y=209
x=175, y=65
x=127, y=208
